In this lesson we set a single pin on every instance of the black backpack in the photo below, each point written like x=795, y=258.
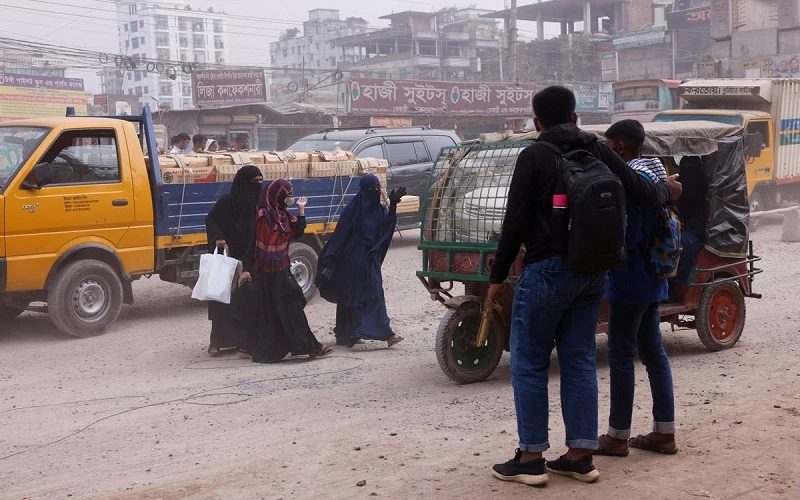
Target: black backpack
x=596, y=218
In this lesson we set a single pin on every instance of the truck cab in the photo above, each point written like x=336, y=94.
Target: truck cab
x=76, y=219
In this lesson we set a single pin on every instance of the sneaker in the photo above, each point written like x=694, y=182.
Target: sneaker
x=531, y=473
x=583, y=470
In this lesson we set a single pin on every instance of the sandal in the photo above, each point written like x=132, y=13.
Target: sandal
x=323, y=351
x=611, y=447
x=213, y=351
x=394, y=340
x=659, y=443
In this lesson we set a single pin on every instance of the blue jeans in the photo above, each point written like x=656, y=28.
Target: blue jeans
x=629, y=326
x=554, y=306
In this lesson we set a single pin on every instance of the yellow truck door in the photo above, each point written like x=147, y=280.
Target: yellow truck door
x=89, y=203
x=761, y=169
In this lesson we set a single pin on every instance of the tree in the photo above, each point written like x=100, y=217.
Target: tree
x=289, y=34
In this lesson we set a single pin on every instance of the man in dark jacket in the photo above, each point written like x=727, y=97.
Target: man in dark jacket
x=554, y=306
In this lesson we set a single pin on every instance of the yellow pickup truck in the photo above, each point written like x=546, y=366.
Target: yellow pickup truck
x=83, y=214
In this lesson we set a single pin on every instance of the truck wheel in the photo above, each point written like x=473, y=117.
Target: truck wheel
x=756, y=205
x=303, y=262
x=7, y=313
x=458, y=356
x=85, y=298
x=720, y=315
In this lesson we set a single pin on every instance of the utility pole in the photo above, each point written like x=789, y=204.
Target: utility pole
x=512, y=39
x=500, y=43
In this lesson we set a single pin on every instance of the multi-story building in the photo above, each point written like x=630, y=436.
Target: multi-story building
x=24, y=63
x=442, y=45
x=160, y=39
x=755, y=38
x=311, y=59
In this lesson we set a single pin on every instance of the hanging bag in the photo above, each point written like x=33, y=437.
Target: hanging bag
x=217, y=275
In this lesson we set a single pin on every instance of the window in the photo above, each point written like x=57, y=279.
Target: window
x=138, y=91
x=166, y=88
x=141, y=23
x=134, y=27
x=184, y=57
x=183, y=24
x=218, y=27
x=145, y=90
x=127, y=44
x=162, y=23
x=141, y=41
x=184, y=42
x=220, y=57
x=285, y=53
x=137, y=76
x=187, y=90
x=135, y=43
x=198, y=25
x=435, y=143
x=422, y=153
x=375, y=151
x=130, y=77
x=81, y=157
x=199, y=57
x=760, y=128
x=401, y=154
x=162, y=39
x=199, y=41
x=162, y=54
x=218, y=42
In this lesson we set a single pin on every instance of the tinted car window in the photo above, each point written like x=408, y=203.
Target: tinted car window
x=375, y=151
x=422, y=153
x=437, y=142
x=402, y=153
x=320, y=145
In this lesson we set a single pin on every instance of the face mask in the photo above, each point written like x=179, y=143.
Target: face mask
x=288, y=201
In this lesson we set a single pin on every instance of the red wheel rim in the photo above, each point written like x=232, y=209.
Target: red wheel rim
x=723, y=315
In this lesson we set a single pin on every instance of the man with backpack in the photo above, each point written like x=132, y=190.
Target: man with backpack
x=566, y=204
x=634, y=292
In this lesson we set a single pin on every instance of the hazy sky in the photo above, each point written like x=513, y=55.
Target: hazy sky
x=91, y=24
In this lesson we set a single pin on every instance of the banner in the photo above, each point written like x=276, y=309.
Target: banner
x=233, y=86
x=29, y=96
x=690, y=19
x=402, y=97
x=389, y=122
x=604, y=96
x=641, y=38
x=608, y=67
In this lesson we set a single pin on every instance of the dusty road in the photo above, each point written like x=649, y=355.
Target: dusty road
x=142, y=412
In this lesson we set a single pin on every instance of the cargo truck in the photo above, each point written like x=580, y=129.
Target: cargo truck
x=769, y=111
x=84, y=213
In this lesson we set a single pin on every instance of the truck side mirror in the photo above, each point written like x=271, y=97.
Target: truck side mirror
x=753, y=144
x=40, y=177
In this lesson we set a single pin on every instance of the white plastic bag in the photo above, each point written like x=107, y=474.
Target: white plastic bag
x=217, y=273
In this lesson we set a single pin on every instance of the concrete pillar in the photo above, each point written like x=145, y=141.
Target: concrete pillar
x=539, y=28
x=791, y=226
x=563, y=27
x=571, y=28
x=588, y=28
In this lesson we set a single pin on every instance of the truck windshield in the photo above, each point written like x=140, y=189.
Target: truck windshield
x=16, y=146
x=682, y=117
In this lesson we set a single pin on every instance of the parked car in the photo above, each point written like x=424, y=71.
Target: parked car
x=411, y=153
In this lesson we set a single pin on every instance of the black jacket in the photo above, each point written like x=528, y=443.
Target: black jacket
x=530, y=196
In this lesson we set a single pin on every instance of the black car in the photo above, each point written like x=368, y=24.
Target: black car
x=410, y=151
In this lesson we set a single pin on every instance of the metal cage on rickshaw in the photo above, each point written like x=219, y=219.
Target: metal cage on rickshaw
x=463, y=214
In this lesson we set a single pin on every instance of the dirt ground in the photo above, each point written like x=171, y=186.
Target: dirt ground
x=142, y=412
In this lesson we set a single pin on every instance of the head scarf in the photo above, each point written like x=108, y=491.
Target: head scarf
x=244, y=198
x=275, y=227
x=367, y=213
x=209, y=143
x=652, y=168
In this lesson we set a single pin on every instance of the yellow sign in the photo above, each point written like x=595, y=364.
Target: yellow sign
x=390, y=122
x=30, y=96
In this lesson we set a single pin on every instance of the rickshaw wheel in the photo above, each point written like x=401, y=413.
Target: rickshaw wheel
x=459, y=358
x=720, y=316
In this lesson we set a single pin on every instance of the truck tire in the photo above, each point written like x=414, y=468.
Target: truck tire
x=7, y=313
x=85, y=298
x=720, y=315
x=303, y=261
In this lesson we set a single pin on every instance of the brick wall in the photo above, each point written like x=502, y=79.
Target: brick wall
x=637, y=14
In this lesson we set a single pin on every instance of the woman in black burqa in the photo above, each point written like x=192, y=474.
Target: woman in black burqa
x=282, y=324
x=232, y=224
x=351, y=263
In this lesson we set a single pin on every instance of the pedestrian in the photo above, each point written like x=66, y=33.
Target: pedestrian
x=224, y=143
x=634, y=292
x=351, y=263
x=179, y=143
x=199, y=143
x=231, y=225
x=242, y=142
x=212, y=146
x=283, y=326
x=554, y=305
